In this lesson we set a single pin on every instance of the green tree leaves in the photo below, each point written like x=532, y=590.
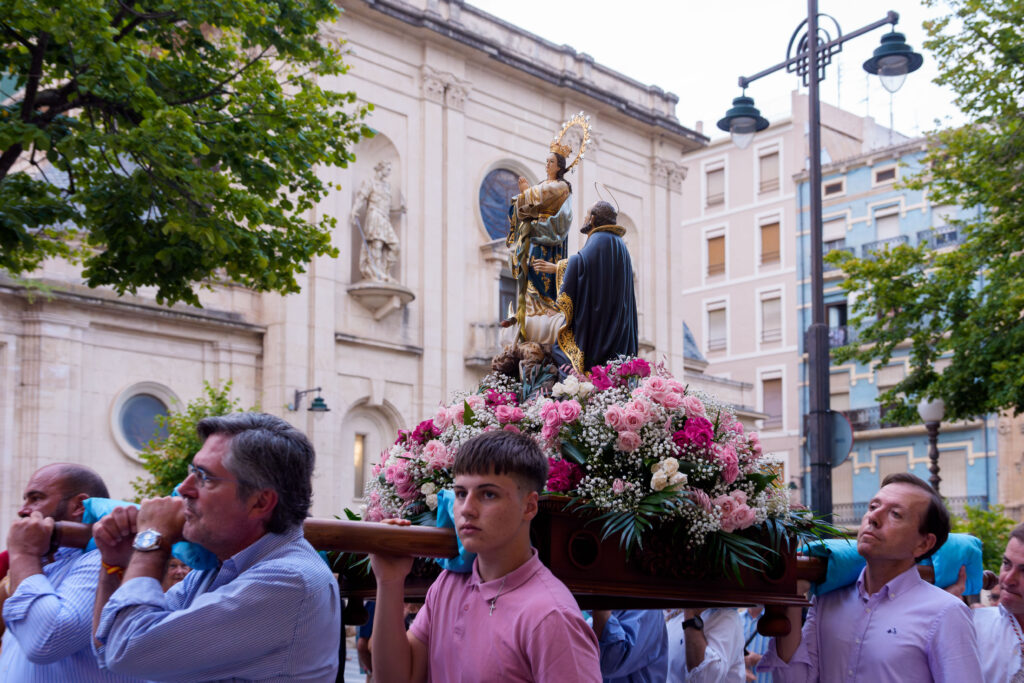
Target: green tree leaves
x=965, y=304
x=180, y=139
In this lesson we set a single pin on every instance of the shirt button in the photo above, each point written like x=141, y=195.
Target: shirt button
x=465, y=608
x=858, y=640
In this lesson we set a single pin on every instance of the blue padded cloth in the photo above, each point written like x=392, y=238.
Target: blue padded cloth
x=192, y=554
x=959, y=550
x=463, y=562
x=845, y=563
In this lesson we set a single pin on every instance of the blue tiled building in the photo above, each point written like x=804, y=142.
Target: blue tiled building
x=866, y=210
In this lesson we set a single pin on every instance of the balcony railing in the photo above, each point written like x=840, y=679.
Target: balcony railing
x=865, y=419
x=869, y=249
x=841, y=335
x=851, y=513
x=937, y=239
x=827, y=250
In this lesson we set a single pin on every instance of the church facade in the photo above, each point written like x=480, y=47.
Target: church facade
x=464, y=103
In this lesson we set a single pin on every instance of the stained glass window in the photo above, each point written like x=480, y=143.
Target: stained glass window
x=138, y=420
x=496, y=192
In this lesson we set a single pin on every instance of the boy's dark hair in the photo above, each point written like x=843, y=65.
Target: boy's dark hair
x=503, y=452
x=936, y=517
x=1018, y=533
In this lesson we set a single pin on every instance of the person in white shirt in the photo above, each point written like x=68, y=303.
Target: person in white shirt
x=705, y=646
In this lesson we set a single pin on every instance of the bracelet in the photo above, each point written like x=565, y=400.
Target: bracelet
x=113, y=569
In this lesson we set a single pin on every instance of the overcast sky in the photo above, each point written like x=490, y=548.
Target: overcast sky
x=698, y=49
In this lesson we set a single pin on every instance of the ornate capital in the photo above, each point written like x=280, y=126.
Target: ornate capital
x=444, y=88
x=456, y=92
x=668, y=174
x=433, y=83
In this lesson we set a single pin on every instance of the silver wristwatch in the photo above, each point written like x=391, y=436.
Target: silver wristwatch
x=147, y=540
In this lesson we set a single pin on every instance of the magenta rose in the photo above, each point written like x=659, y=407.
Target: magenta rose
x=627, y=442
x=599, y=378
x=563, y=475
x=425, y=431
x=698, y=432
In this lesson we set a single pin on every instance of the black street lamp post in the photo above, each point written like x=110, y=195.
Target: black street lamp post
x=808, y=57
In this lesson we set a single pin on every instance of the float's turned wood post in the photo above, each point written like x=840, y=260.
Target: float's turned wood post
x=774, y=623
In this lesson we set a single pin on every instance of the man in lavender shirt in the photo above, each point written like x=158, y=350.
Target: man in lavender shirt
x=891, y=625
x=509, y=619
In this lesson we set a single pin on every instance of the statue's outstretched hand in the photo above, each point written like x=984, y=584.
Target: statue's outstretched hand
x=523, y=185
x=542, y=266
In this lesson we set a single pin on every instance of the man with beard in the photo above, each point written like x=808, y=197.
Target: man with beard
x=51, y=591
x=270, y=611
x=595, y=294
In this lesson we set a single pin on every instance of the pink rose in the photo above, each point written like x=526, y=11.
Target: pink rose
x=549, y=414
x=754, y=441
x=627, y=442
x=675, y=386
x=549, y=432
x=694, y=407
x=390, y=472
x=634, y=419
x=437, y=455
x=456, y=413
x=568, y=411
x=727, y=504
x=615, y=417
x=672, y=400
x=743, y=517
x=739, y=496
x=374, y=514
x=443, y=419
x=506, y=413
x=511, y=428
x=476, y=402
x=618, y=486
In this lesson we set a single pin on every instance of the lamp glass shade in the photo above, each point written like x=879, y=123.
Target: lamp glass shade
x=892, y=71
x=742, y=129
x=932, y=411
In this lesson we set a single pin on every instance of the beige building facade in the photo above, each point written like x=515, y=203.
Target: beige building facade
x=739, y=269
x=462, y=100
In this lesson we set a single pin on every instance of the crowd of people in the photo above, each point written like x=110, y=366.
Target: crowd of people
x=269, y=609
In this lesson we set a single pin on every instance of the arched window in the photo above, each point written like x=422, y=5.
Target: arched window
x=496, y=192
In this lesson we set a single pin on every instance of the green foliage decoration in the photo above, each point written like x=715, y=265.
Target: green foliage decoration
x=171, y=144
x=993, y=527
x=962, y=305
x=167, y=460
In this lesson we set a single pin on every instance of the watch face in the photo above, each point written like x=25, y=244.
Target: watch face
x=146, y=540
x=698, y=622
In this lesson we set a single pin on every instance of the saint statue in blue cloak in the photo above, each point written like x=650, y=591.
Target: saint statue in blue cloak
x=540, y=218
x=595, y=295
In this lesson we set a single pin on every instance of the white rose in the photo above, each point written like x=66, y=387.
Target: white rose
x=428, y=488
x=571, y=384
x=677, y=481
x=659, y=481
x=432, y=501
x=558, y=389
x=670, y=466
x=586, y=389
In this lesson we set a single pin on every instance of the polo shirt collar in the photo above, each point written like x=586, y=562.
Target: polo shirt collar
x=514, y=579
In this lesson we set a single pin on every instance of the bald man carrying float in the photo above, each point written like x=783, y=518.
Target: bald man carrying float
x=49, y=612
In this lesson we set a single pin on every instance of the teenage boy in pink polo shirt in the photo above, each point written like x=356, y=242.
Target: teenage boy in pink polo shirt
x=509, y=619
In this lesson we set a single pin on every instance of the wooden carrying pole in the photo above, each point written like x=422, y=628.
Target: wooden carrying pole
x=330, y=534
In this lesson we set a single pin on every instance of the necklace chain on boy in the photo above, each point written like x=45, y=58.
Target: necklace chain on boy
x=1019, y=676
x=495, y=598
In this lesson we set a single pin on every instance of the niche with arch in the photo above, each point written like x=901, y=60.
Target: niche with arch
x=366, y=431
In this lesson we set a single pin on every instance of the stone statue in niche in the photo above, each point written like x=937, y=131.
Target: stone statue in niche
x=380, y=241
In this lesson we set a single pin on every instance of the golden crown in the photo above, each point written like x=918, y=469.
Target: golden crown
x=558, y=148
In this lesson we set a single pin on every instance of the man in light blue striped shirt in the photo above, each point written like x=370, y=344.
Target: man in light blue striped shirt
x=49, y=613
x=270, y=611
x=755, y=643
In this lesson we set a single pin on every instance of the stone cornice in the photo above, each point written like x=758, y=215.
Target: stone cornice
x=346, y=338
x=668, y=174
x=455, y=27
x=102, y=299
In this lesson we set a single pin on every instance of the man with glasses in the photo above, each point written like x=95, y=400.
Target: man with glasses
x=271, y=609
x=51, y=591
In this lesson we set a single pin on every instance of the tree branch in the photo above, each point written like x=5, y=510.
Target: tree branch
x=35, y=75
x=212, y=91
x=145, y=15
x=17, y=36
